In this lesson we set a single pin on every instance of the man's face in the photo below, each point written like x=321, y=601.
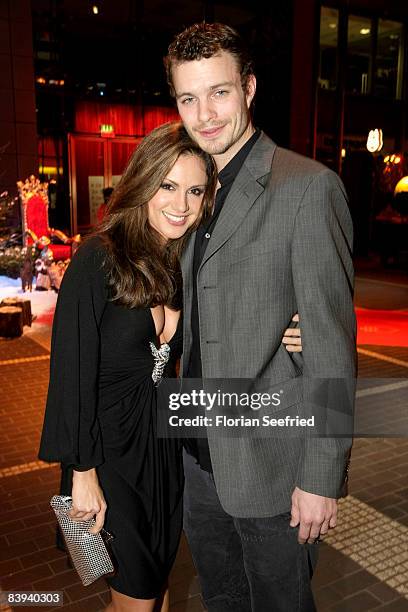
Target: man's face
x=212, y=104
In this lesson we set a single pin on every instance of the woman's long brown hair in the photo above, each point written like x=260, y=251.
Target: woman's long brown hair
x=141, y=271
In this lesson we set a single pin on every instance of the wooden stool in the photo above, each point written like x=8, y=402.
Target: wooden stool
x=11, y=321
x=25, y=306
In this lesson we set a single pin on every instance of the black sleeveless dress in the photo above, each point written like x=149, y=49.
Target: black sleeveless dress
x=101, y=412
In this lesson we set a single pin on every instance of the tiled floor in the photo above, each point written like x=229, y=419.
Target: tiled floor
x=363, y=563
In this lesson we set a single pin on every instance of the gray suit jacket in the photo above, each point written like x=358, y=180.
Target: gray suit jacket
x=282, y=244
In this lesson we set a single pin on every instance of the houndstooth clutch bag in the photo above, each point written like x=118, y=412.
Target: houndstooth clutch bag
x=88, y=551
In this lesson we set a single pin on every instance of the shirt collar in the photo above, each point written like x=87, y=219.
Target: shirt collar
x=230, y=171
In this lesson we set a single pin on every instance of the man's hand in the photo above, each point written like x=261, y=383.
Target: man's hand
x=314, y=514
x=87, y=499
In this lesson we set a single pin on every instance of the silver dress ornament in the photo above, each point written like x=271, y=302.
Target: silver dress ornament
x=161, y=356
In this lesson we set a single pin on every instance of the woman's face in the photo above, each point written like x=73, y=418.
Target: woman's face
x=177, y=203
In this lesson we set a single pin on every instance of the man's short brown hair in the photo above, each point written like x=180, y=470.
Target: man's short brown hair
x=203, y=40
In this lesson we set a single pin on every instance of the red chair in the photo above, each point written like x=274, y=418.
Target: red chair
x=34, y=203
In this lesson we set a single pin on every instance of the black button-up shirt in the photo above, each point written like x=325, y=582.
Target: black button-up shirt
x=199, y=447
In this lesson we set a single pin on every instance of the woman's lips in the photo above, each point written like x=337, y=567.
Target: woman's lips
x=175, y=219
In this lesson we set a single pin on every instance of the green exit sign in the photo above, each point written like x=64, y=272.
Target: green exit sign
x=107, y=130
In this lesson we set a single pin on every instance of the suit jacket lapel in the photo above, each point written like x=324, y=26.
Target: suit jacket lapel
x=246, y=189
x=186, y=264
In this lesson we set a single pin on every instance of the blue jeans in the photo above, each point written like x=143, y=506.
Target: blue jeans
x=244, y=564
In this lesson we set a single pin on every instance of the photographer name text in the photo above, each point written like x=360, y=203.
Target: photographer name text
x=241, y=421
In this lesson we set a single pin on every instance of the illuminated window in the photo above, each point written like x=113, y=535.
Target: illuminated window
x=389, y=60
x=359, y=54
x=329, y=25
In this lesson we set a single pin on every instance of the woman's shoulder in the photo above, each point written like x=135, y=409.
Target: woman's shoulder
x=91, y=247
x=87, y=264
x=90, y=255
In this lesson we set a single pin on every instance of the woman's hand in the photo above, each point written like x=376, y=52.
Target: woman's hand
x=292, y=338
x=87, y=499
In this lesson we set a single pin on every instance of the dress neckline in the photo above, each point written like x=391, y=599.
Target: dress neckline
x=159, y=344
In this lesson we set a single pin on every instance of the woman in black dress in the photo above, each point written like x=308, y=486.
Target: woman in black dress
x=117, y=324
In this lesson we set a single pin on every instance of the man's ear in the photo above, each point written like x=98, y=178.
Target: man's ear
x=250, y=89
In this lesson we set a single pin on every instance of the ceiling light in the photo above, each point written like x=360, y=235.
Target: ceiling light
x=365, y=31
x=402, y=186
x=95, y=9
x=332, y=26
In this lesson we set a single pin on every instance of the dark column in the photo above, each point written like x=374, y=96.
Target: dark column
x=270, y=38
x=18, y=129
x=305, y=59
x=341, y=87
x=209, y=11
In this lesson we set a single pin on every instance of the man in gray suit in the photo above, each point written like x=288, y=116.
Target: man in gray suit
x=278, y=242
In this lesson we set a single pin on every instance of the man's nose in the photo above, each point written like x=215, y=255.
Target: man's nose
x=206, y=111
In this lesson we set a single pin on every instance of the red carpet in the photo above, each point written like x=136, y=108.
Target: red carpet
x=382, y=327
x=46, y=317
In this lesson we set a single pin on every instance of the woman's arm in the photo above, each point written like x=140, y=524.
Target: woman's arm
x=292, y=337
x=71, y=433
x=87, y=499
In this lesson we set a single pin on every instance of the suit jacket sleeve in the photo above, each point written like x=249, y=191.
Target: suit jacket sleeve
x=323, y=279
x=71, y=433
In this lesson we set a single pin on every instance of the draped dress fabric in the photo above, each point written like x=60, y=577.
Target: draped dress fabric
x=101, y=412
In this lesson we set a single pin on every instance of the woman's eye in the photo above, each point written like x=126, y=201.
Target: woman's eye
x=167, y=186
x=197, y=191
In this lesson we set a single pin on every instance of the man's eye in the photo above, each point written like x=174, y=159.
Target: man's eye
x=187, y=100
x=221, y=92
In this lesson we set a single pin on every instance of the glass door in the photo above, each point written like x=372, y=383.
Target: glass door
x=120, y=151
x=94, y=163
